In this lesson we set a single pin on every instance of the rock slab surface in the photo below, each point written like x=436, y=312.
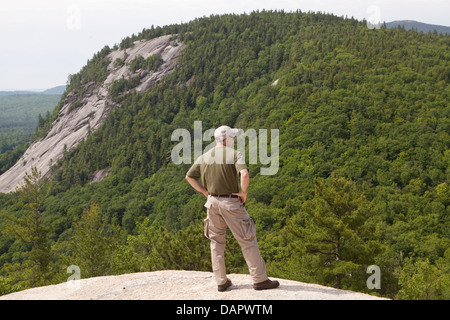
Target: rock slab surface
x=180, y=285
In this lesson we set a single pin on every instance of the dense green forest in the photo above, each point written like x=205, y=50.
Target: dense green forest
x=364, y=125
x=20, y=114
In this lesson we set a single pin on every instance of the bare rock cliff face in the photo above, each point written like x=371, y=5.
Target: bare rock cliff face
x=74, y=124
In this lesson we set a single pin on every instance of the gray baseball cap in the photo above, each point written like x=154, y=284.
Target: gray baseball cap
x=223, y=132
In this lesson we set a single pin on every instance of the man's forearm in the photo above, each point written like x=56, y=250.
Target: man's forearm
x=197, y=185
x=245, y=181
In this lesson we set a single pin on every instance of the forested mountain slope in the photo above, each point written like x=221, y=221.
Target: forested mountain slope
x=89, y=99
x=363, y=120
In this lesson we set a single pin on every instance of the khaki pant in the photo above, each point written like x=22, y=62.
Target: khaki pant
x=223, y=212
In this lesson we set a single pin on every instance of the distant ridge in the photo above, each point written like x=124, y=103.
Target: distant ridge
x=16, y=93
x=55, y=90
x=420, y=26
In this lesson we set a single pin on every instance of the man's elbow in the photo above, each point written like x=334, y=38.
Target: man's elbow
x=190, y=179
x=244, y=172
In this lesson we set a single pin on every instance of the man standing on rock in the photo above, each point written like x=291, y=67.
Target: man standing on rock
x=219, y=170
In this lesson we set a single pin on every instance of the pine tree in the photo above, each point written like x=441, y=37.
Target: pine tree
x=29, y=229
x=93, y=243
x=330, y=230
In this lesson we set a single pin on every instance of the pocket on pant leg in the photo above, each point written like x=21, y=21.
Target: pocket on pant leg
x=206, y=228
x=248, y=229
x=232, y=206
x=208, y=203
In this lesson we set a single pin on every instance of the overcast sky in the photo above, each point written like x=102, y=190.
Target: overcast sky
x=42, y=42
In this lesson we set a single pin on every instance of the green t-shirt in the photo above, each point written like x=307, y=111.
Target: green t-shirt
x=219, y=170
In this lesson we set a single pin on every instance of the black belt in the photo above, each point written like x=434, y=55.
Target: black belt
x=225, y=195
